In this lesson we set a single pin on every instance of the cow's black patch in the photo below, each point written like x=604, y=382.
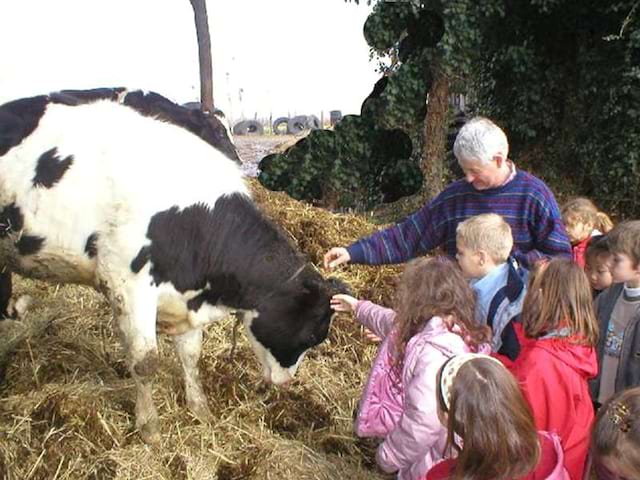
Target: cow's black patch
x=18, y=120
x=51, y=168
x=223, y=288
x=141, y=259
x=80, y=97
x=6, y=290
x=11, y=220
x=29, y=244
x=238, y=258
x=91, y=247
x=205, y=125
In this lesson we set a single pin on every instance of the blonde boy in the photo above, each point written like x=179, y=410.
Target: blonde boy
x=484, y=244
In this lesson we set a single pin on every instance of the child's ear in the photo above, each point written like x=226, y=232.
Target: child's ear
x=483, y=257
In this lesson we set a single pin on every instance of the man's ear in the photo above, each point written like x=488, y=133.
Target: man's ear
x=499, y=158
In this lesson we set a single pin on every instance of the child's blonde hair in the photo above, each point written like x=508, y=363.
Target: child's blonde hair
x=583, y=210
x=488, y=232
x=617, y=430
x=559, y=296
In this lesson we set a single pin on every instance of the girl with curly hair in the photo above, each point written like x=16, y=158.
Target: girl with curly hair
x=433, y=320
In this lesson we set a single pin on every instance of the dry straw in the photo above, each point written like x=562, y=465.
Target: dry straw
x=67, y=401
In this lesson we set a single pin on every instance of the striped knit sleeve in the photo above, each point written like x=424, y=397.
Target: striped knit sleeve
x=415, y=235
x=549, y=235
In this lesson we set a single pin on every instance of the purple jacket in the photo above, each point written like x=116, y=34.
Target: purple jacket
x=406, y=416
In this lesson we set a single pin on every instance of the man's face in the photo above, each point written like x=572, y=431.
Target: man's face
x=484, y=175
x=623, y=270
x=598, y=271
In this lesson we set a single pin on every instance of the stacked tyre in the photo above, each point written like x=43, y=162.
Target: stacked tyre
x=248, y=127
x=296, y=125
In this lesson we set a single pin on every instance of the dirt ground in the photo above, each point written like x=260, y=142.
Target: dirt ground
x=253, y=148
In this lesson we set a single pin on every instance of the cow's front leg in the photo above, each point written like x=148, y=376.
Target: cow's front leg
x=134, y=305
x=188, y=347
x=6, y=290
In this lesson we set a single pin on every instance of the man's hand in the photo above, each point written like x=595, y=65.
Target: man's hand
x=336, y=256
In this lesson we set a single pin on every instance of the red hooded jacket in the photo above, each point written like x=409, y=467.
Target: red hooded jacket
x=553, y=375
x=579, y=251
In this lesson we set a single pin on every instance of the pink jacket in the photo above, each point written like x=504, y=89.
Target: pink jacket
x=407, y=416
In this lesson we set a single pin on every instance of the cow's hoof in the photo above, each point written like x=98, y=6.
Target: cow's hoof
x=18, y=308
x=150, y=432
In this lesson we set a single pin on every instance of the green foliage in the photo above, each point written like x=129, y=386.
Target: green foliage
x=357, y=165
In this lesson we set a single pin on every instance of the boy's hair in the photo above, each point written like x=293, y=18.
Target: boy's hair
x=617, y=429
x=581, y=209
x=489, y=413
x=488, y=232
x=559, y=296
x=435, y=287
x=625, y=238
x=598, y=247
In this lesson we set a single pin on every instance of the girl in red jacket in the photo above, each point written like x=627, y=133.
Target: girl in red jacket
x=558, y=334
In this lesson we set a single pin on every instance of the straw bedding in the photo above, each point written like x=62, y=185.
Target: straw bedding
x=67, y=400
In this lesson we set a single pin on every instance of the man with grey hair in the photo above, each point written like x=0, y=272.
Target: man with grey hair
x=492, y=184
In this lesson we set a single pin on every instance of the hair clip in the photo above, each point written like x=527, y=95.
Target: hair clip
x=618, y=414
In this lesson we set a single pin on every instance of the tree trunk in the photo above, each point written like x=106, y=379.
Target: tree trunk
x=435, y=137
x=204, y=54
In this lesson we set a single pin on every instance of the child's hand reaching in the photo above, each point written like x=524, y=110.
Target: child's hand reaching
x=344, y=303
x=347, y=303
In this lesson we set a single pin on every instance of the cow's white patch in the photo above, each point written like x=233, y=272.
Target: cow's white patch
x=225, y=123
x=272, y=371
x=174, y=317
x=112, y=185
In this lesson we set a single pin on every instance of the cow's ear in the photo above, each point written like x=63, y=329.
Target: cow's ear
x=311, y=292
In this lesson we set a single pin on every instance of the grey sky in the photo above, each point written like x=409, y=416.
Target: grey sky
x=287, y=56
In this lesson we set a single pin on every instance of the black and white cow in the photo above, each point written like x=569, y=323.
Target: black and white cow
x=212, y=127
x=99, y=194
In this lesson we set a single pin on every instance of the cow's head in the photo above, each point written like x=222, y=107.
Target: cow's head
x=290, y=322
x=214, y=129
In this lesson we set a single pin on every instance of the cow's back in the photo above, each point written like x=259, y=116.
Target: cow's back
x=108, y=169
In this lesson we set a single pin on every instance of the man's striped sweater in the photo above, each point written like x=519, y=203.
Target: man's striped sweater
x=525, y=202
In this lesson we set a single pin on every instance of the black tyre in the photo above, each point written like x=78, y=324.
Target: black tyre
x=280, y=126
x=313, y=122
x=248, y=127
x=297, y=125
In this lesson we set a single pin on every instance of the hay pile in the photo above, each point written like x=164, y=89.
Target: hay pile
x=67, y=401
